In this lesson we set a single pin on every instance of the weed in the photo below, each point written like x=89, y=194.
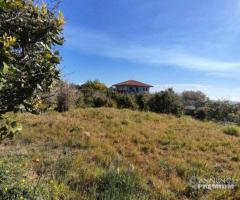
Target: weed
x=232, y=130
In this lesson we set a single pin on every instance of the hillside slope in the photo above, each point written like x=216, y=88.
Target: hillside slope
x=73, y=149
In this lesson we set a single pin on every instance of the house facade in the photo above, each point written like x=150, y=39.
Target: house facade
x=132, y=87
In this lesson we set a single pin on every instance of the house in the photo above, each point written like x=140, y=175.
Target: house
x=132, y=86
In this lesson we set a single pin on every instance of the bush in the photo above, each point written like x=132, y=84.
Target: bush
x=118, y=186
x=93, y=85
x=62, y=99
x=232, y=130
x=141, y=101
x=94, y=99
x=8, y=128
x=193, y=98
x=125, y=101
x=221, y=110
x=201, y=114
x=80, y=100
x=101, y=100
x=166, y=102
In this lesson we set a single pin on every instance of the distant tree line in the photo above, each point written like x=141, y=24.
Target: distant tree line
x=96, y=94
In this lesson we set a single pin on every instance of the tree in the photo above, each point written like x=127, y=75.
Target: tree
x=193, y=98
x=28, y=59
x=166, y=102
x=221, y=111
x=94, y=85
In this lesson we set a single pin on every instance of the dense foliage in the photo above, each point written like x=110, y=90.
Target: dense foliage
x=166, y=102
x=192, y=98
x=196, y=104
x=28, y=59
x=8, y=128
x=232, y=130
x=93, y=85
x=125, y=101
x=142, y=101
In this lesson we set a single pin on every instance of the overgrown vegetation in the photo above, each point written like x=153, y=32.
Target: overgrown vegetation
x=195, y=104
x=28, y=61
x=119, y=185
x=232, y=130
x=8, y=128
x=107, y=153
x=100, y=153
x=166, y=102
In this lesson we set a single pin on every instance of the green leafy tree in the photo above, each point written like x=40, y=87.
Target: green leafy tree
x=28, y=58
x=166, y=102
x=94, y=85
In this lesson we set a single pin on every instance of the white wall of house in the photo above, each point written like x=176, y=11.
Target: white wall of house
x=133, y=89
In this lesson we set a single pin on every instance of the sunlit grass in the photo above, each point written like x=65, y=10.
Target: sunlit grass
x=163, y=150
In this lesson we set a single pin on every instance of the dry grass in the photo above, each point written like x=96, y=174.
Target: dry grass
x=166, y=151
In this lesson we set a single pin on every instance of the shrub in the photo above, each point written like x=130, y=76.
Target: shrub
x=220, y=110
x=63, y=99
x=118, y=186
x=141, y=101
x=8, y=128
x=125, y=101
x=94, y=99
x=201, y=114
x=101, y=100
x=93, y=85
x=166, y=102
x=80, y=100
x=193, y=98
x=232, y=130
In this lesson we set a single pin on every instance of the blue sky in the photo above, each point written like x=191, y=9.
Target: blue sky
x=187, y=45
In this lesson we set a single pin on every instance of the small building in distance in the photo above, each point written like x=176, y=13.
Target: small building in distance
x=132, y=87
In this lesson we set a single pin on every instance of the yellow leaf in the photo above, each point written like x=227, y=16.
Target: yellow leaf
x=61, y=19
x=44, y=9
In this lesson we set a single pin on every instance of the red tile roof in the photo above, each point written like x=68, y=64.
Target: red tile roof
x=132, y=83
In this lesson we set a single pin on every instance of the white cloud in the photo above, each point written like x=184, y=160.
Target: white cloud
x=90, y=42
x=100, y=44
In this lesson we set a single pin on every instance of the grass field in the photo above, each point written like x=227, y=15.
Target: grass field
x=121, y=154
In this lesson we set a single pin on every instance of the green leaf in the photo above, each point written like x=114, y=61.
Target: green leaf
x=55, y=59
x=1, y=85
x=2, y=4
x=4, y=69
x=16, y=127
x=58, y=41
